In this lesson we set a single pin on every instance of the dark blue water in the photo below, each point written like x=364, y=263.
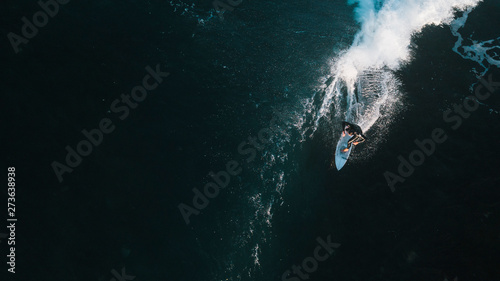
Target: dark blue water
x=265, y=65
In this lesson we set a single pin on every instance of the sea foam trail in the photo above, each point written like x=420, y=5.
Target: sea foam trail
x=485, y=53
x=362, y=87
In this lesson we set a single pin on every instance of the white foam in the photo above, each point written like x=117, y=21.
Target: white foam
x=475, y=50
x=385, y=35
x=381, y=46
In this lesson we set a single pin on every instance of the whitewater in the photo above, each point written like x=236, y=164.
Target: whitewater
x=361, y=87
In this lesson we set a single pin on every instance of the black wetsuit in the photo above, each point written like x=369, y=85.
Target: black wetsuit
x=356, y=131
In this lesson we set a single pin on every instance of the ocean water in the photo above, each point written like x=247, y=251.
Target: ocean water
x=265, y=85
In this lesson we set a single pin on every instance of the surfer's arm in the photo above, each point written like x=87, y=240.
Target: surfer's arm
x=353, y=138
x=361, y=138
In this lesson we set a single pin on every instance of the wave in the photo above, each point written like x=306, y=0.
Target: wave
x=362, y=87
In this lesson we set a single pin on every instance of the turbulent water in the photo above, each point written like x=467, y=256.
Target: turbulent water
x=485, y=53
x=362, y=75
x=265, y=84
x=359, y=87
x=293, y=70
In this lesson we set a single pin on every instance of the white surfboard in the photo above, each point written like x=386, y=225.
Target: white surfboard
x=341, y=157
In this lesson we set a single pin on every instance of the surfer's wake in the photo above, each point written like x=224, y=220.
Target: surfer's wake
x=362, y=87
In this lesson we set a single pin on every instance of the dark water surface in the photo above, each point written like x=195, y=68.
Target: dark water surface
x=119, y=208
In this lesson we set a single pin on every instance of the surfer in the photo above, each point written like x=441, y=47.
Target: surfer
x=354, y=131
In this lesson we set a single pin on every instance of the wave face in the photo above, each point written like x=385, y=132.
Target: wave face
x=362, y=87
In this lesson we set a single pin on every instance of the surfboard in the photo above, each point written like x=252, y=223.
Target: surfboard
x=341, y=157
